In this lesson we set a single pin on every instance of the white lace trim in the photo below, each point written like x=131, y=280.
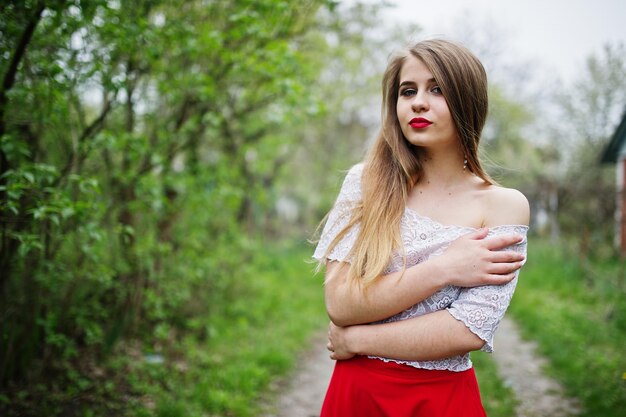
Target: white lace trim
x=479, y=308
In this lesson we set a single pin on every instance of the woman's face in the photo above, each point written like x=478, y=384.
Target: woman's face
x=422, y=110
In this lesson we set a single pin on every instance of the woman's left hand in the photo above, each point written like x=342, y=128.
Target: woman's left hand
x=338, y=343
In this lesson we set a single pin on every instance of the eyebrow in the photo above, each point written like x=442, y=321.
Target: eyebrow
x=432, y=80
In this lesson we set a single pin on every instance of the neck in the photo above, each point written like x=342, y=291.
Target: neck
x=443, y=170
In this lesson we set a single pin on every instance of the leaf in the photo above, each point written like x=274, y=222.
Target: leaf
x=30, y=177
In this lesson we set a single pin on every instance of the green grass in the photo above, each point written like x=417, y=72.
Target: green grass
x=498, y=399
x=577, y=314
x=251, y=343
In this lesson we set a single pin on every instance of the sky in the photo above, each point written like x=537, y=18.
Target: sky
x=557, y=35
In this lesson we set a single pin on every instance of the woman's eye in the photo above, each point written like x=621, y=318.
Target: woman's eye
x=436, y=89
x=408, y=92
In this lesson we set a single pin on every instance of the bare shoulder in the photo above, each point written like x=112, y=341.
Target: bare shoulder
x=505, y=206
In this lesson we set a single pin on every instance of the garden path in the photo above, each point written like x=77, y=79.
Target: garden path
x=522, y=369
x=518, y=363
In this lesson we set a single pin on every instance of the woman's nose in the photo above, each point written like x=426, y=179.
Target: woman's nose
x=419, y=103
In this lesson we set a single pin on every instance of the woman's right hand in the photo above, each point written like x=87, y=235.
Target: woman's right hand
x=473, y=260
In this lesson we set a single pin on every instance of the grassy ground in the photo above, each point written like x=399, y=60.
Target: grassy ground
x=254, y=342
x=577, y=314
x=498, y=399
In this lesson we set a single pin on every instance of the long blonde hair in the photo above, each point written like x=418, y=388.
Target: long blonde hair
x=392, y=165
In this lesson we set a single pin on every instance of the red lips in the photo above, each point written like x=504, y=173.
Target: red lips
x=419, y=123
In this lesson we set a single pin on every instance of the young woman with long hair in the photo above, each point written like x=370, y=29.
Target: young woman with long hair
x=422, y=249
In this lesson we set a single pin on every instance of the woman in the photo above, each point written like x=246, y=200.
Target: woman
x=416, y=277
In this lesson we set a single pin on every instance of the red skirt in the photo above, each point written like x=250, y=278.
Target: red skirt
x=363, y=387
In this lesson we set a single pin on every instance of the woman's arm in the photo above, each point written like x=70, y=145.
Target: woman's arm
x=432, y=336
x=468, y=324
x=471, y=260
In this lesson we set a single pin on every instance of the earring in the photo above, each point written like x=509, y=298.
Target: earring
x=464, y=163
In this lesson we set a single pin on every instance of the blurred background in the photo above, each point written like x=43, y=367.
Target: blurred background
x=163, y=164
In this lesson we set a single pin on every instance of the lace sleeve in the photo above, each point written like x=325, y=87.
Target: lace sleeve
x=339, y=217
x=482, y=308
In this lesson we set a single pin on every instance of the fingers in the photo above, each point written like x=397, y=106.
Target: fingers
x=478, y=234
x=504, y=268
x=333, y=355
x=502, y=242
x=496, y=279
x=506, y=257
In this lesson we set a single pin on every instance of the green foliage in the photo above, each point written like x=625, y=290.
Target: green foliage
x=577, y=314
x=140, y=144
x=230, y=358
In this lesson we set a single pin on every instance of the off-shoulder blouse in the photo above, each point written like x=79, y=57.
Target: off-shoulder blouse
x=479, y=308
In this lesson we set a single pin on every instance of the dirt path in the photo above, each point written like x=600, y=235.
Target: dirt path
x=520, y=367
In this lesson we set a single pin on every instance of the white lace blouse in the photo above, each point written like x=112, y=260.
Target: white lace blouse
x=479, y=308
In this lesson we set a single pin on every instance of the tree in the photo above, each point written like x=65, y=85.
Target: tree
x=590, y=112
x=128, y=131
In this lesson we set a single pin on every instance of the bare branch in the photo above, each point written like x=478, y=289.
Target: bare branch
x=91, y=130
x=9, y=77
